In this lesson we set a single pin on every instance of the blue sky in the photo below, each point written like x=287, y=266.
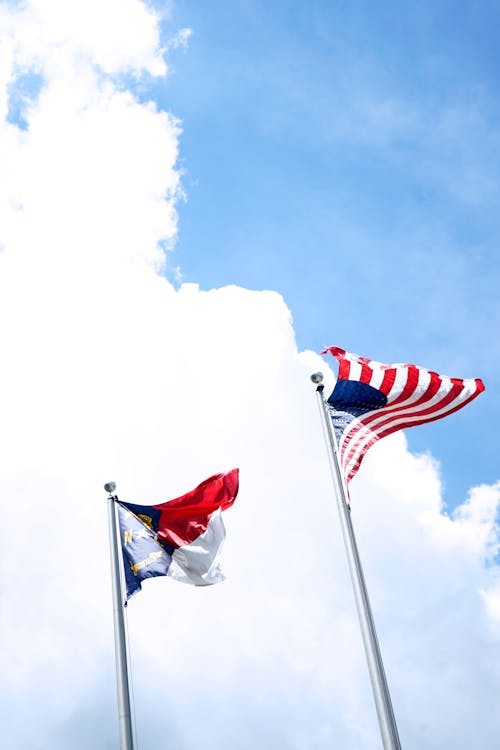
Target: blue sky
x=346, y=155
x=337, y=163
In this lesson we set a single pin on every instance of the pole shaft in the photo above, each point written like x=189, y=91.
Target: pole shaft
x=122, y=679
x=383, y=704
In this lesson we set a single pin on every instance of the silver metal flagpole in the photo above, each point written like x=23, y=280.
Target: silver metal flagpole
x=387, y=721
x=122, y=677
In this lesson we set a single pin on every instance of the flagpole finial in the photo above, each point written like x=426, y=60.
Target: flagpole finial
x=317, y=378
x=110, y=487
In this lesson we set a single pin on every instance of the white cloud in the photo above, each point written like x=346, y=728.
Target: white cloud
x=109, y=373
x=492, y=600
x=119, y=36
x=180, y=39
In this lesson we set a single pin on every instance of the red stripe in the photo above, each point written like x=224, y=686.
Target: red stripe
x=412, y=374
x=388, y=381
x=344, y=369
x=184, y=519
x=335, y=351
x=340, y=356
x=366, y=374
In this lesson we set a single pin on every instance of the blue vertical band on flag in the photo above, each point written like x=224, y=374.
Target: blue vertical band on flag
x=143, y=556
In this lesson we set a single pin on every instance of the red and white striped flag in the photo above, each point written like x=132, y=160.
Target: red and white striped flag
x=371, y=400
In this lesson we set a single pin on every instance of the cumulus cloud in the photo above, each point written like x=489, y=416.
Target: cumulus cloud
x=111, y=373
x=117, y=35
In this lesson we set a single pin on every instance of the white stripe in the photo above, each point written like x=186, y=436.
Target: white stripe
x=399, y=383
x=354, y=370
x=199, y=562
x=377, y=376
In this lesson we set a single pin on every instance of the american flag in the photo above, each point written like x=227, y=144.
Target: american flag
x=371, y=400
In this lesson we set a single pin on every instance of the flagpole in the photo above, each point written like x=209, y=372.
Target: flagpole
x=122, y=677
x=383, y=704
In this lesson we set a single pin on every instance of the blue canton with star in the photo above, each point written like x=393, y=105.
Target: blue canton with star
x=351, y=399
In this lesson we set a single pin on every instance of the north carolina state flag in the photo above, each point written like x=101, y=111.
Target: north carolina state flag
x=181, y=538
